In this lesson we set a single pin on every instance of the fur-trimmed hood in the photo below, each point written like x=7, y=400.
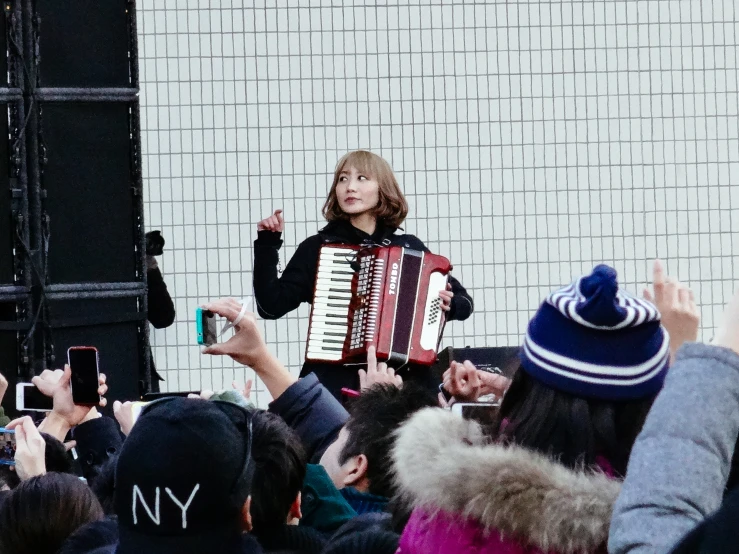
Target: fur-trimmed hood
x=444, y=462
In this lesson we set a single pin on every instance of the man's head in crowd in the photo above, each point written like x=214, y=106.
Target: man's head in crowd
x=360, y=457
x=40, y=513
x=183, y=479
x=279, y=471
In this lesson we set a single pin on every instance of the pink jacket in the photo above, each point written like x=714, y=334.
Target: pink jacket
x=474, y=497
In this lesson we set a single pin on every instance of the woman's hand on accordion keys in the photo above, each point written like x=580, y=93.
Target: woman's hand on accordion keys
x=377, y=373
x=274, y=223
x=446, y=298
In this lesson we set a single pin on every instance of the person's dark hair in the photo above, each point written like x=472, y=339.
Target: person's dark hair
x=102, y=483
x=92, y=536
x=374, y=417
x=57, y=457
x=42, y=512
x=8, y=478
x=572, y=429
x=279, y=470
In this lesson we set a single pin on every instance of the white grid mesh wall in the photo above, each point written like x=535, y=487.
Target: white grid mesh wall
x=533, y=140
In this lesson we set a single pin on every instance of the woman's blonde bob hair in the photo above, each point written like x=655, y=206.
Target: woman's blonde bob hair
x=392, y=207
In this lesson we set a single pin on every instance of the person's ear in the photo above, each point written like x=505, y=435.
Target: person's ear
x=295, y=514
x=246, y=523
x=355, y=470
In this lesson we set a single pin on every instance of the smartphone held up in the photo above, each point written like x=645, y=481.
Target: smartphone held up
x=205, y=326
x=29, y=398
x=7, y=447
x=84, y=363
x=484, y=413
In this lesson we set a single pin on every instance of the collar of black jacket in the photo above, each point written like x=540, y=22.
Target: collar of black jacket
x=364, y=502
x=343, y=231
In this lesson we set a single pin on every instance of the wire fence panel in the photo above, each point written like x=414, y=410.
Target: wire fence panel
x=533, y=140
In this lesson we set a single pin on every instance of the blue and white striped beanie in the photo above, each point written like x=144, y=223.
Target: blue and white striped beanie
x=593, y=340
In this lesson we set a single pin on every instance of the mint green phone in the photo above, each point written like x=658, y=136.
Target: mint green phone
x=205, y=323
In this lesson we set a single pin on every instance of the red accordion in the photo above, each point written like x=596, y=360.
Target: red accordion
x=382, y=296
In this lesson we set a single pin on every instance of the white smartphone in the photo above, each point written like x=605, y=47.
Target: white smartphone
x=482, y=412
x=29, y=398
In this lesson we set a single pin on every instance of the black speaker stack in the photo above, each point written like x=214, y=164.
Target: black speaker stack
x=72, y=247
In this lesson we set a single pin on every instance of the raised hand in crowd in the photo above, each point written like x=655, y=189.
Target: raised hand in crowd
x=65, y=414
x=274, y=223
x=676, y=304
x=248, y=348
x=377, y=373
x=247, y=345
x=30, y=448
x=462, y=381
x=123, y=412
x=246, y=391
x=466, y=383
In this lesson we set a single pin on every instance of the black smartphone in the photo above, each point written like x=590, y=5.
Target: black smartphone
x=205, y=326
x=83, y=361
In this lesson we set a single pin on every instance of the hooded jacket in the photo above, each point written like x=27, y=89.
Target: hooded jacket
x=471, y=495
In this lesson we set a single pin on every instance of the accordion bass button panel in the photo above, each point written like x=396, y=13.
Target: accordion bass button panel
x=432, y=317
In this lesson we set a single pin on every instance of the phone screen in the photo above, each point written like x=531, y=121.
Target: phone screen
x=206, y=327
x=33, y=399
x=482, y=412
x=7, y=447
x=83, y=362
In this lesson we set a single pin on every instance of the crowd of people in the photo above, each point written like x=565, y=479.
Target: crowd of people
x=597, y=445
x=616, y=433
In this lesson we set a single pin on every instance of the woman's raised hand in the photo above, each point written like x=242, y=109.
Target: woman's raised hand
x=274, y=223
